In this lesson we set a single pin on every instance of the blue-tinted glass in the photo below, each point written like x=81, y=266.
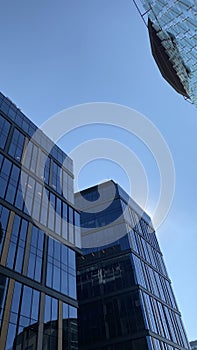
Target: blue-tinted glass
x=47, y=309
x=35, y=256
x=31, y=266
x=51, y=216
x=71, y=260
x=4, y=176
x=64, y=282
x=44, y=207
x=29, y=195
x=35, y=305
x=37, y=201
x=72, y=286
x=34, y=158
x=4, y=131
x=49, y=277
x=56, y=278
x=54, y=311
x=3, y=291
x=47, y=170
x=64, y=221
x=13, y=242
x=17, y=244
x=56, y=250
x=26, y=301
x=19, y=200
x=58, y=216
x=10, y=336
x=65, y=311
x=16, y=298
x=12, y=186
x=72, y=312
x=21, y=246
x=4, y=215
x=27, y=157
x=57, y=177
x=17, y=144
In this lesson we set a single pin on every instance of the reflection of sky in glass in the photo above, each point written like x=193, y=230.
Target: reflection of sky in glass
x=178, y=19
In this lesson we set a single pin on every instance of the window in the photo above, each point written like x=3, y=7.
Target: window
x=12, y=186
x=4, y=131
x=56, y=181
x=50, y=338
x=44, y=167
x=37, y=201
x=3, y=291
x=17, y=144
x=4, y=175
x=61, y=268
x=4, y=216
x=36, y=253
x=29, y=195
x=17, y=244
x=24, y=313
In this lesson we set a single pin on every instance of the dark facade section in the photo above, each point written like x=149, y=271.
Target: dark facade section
x=125, y=295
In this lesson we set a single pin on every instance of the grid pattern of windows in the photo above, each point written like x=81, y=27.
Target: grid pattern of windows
x=109, y=319
x=35, y=184
x=41, y=165
x=104, y=277
x=23, y=315
x=110, y=275
x=30, y=129
x=29, y=195
x=61, y=268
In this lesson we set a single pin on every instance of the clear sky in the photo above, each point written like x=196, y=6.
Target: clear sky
x=54, y=55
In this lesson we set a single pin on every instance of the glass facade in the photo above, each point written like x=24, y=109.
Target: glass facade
x=39, y=236
x=176, y=27
x=125, y=295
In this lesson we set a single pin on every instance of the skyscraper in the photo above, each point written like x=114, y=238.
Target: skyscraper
x=39, y=236
x=125, y=295
x=172, y=26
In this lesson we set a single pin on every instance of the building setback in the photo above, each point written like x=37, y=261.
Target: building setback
x=125, y=296
x=38, y=305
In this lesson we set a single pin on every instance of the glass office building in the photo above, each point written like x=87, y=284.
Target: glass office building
x=172, y=26
x=125, y=295
x=39, y=236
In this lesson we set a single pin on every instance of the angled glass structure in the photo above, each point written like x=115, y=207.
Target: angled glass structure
x=38, y=238
x=172, y=26
x=125, y=295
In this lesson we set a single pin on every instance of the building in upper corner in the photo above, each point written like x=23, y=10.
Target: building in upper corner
x=125, y=295
x=193, y=345
x=39, y=238
x=172, y=26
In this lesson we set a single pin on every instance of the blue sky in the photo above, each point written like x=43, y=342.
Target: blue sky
x=55, y=55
